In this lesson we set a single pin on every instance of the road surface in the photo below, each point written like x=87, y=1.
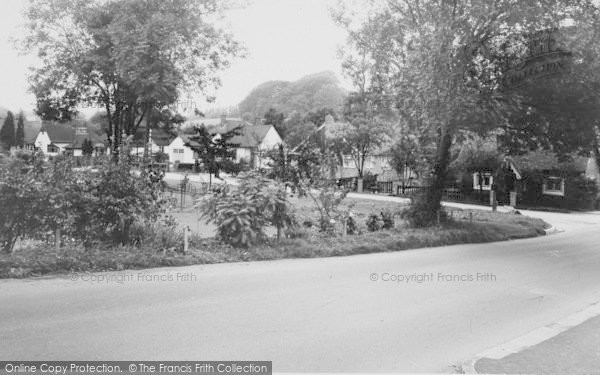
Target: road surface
x=313, y=315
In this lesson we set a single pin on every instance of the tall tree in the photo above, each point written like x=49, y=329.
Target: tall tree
x=20, y=133
x=127, y=57
x=272, y=117
x=445, y=64
x=7, y=133
x=366, y=128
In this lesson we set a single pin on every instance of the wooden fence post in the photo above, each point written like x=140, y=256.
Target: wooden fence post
x=57, y=239
x=186, y=232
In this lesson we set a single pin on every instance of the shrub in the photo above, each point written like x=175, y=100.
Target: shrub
x=295, y=231
x=89, y=206
x=112, y=199
x=387, y=218
x=327, y=200
x=241, y=213
x=373, y=223
x=23, y=208
x=162, y=235
x=422, y=213
x=351, y=227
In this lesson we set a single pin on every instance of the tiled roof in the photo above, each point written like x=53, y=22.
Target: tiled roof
x=62, y=133
x=160, y=137
x=548, y=161
x=251, y=135
x=32, y=128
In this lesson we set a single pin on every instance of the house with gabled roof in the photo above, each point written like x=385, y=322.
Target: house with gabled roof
x=253, y=142
x=541, y=178
x=54, y=138
x=160, y=140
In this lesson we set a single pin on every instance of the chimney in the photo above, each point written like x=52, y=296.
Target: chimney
x=223, y=119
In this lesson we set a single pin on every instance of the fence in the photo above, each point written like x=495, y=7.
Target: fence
x=449, y=194
x=183, y=194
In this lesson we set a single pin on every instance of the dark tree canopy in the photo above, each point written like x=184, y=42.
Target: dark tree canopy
x=214, y=149
x=20, y=133
x=310, y=93
x=272, y=117
x=445, y=66
x=126, y=57
x=7, y=132
x=87, y=147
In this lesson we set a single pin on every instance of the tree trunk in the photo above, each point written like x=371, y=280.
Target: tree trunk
x=431, y=202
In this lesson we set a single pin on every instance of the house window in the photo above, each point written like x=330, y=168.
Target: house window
x=554, y=186
x=348, y=161
x=178, y=151
x=52, y=149
x=482, y=181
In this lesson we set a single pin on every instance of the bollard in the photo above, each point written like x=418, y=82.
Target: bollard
x=470, y=217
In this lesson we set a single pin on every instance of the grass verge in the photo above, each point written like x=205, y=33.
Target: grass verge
x=40, y=259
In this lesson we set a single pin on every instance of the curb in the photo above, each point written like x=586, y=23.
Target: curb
x=552, y=230
x=534, y=337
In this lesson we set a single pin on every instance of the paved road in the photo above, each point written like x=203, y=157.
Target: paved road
x=322, y=315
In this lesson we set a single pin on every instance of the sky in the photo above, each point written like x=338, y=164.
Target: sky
x=284, y=40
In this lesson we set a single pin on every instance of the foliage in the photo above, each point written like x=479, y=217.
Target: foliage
x=366, y=129
x=20, y=132
x=419, y=214
x=387, y=219
x=242, y=213
x=373, y=223
x=326, y=197
x=161, y=157
x=445, y=68
x=214, y=149
x=272, y=117
x=351, y=227
x=43, y=259
x=7, y=132
x=319, y=116
x=89, y=206
x=407, y=157
x=22, y=204
x=129, y=58
x=87, y=148
x=308, y=94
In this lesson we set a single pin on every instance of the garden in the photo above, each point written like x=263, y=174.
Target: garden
x=56, y=218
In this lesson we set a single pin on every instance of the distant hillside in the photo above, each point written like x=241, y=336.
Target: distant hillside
x=309, y=93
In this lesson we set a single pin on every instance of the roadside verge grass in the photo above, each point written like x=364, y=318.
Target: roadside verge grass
x=40, y=259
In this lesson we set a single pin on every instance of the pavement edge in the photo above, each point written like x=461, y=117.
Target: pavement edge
x=534, y=337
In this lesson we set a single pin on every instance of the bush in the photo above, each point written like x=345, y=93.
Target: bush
x=351, y=227
x=23, y=207
x=89, y=206
x=387, y=218
x=163, y=235
x=373, y=223
x=241, y=213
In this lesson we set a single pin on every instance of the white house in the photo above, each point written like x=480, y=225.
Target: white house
x=179, y=152
x=253, y=142
x=55, y=138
